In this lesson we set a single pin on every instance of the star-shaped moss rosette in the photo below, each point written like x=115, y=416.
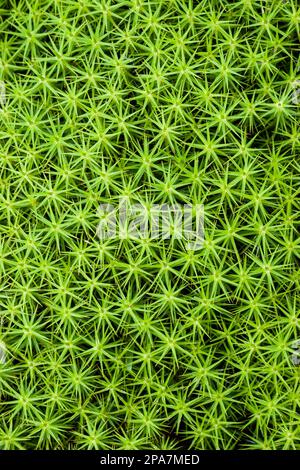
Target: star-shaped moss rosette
x=141, y=343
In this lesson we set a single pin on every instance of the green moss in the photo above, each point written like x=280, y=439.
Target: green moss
x=143, y=344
